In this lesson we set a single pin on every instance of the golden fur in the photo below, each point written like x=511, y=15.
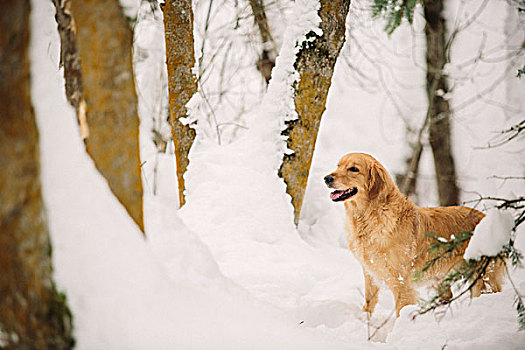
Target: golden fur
x=387, y=232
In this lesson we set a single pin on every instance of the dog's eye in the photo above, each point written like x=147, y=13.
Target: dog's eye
x=353, y=169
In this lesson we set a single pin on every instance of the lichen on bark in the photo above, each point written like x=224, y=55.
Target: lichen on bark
x=182, y=84
x=315, y=64
x=104, y=41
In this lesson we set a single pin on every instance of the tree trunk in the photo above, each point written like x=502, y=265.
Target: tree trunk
x=269, y=52
x=182, y=84
x=32, y=314
x=439, y=126
x=104, y=41
x=70, y=60
x=315, y=63
x=407, y=183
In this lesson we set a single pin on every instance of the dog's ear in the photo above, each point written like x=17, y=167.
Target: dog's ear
x=376, y=180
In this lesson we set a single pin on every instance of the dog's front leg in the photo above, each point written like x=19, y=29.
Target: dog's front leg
x=371, y=294
x=403, y=292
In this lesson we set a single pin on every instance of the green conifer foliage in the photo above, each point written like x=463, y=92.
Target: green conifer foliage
x=393, y=11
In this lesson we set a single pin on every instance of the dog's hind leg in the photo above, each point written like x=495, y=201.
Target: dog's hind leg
x=444, y=293
x=477, y=288
x=495, y=275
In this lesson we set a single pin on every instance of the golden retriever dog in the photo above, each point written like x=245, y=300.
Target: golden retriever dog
x=389, y=234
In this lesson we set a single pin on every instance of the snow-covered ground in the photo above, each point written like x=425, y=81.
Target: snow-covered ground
x=229, y=270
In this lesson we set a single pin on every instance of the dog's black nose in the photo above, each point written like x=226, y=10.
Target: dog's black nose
x=328, y=179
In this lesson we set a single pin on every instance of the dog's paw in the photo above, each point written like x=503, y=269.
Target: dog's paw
x=367, y=308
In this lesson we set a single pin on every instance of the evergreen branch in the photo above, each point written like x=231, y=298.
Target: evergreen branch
x=514, y=255
x=442, y=249
x=470, y=270
x=520, y=308
x=393, y=11
x=521, y=71
x=517, y=204
x=519, y=220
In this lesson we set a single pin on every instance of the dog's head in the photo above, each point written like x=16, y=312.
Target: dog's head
x=358, y=176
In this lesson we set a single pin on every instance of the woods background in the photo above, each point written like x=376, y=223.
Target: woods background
x=422, y=99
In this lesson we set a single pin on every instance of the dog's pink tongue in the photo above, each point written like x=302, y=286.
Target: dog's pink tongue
x=335, y=194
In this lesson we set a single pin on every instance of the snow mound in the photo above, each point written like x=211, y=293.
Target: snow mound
x=126, y=292
x=468, y=324
x=491, y=234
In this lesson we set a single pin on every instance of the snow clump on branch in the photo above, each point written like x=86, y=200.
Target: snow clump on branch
x=491, y=234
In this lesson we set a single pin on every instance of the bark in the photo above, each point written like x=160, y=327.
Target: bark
x=407, y=183
x=315, y=63
x=439, y=126
x=70, y=60
x=182, y=84
x=267, y=60
x=32, y=314
x=104, y=42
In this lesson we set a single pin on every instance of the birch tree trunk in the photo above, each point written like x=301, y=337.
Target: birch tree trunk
x=182, y=84
x=104, y=42
x=315, y=63
x=439, y=126
x=32, y=314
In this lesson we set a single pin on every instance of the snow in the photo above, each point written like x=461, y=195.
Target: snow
x=265, y=121
x=278, y=103
x=125, y=292
x=230, y=270
x=469, y=324
x=492, y=233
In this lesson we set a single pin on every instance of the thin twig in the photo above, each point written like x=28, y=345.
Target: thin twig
x=437, y=304
x=381, y=325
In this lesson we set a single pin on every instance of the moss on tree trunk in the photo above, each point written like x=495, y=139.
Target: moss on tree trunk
x=104, y=41
x=182, y=84
x=315, y=63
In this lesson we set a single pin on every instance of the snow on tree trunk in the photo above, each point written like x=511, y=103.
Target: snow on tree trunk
x=437, y=88
x=32, y=314
x=182, y=84
x=315, y=64
x=104, y=41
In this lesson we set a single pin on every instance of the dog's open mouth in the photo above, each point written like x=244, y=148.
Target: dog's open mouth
x=339, y=195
